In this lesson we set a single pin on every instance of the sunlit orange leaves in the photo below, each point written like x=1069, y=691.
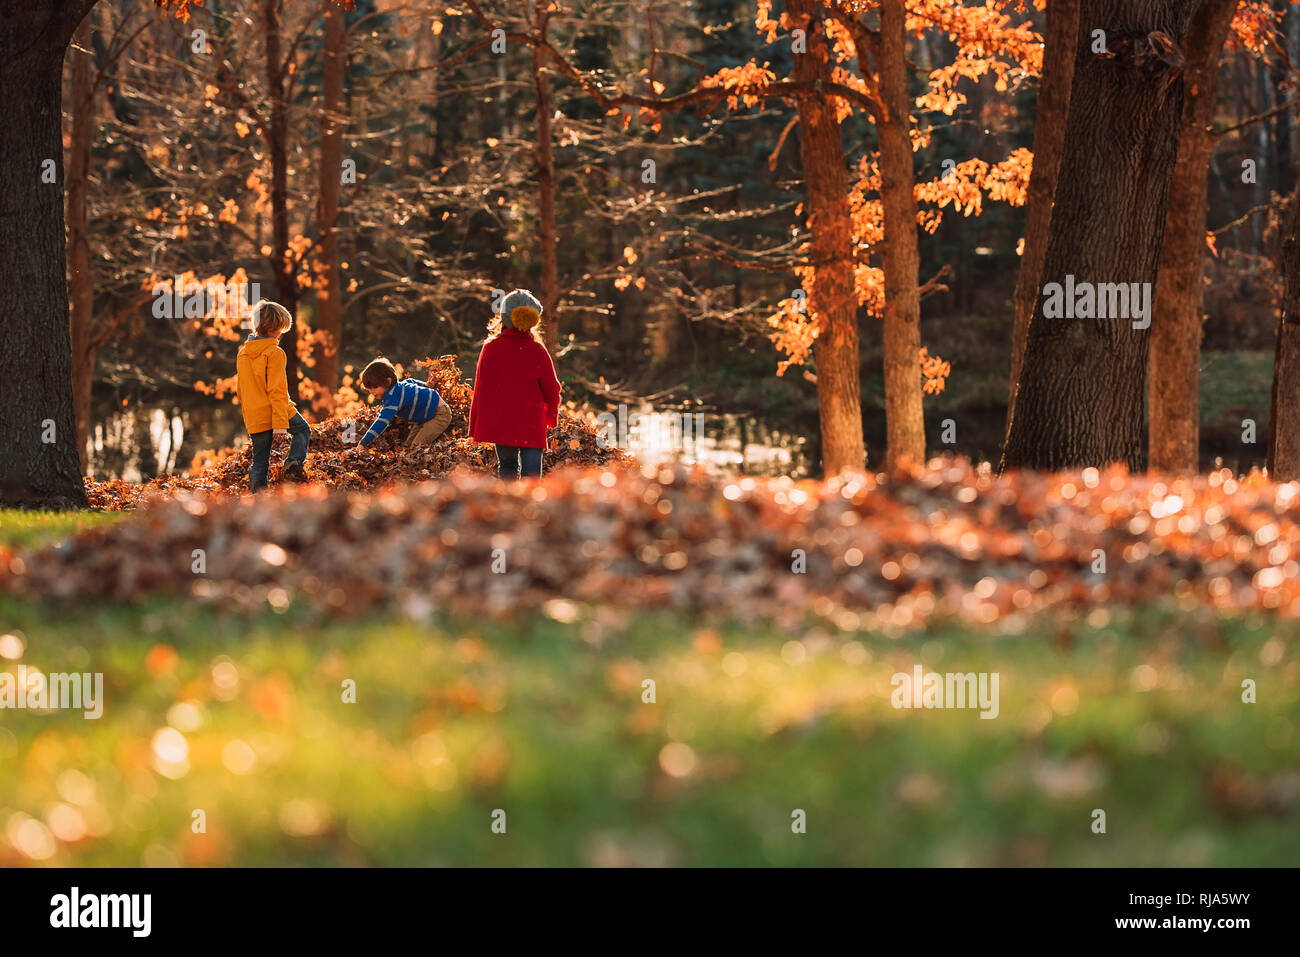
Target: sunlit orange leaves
x=965, y=184
x=995, y=37
x=747, y=84
x=935, y=371
x=794, y=333
x=261, y=192
x=1254, y=26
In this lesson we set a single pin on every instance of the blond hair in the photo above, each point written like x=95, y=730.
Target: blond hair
x=269, y=318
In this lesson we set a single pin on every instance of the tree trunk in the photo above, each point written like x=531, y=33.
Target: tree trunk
x=1080, y=401
x=833, y=300
x=1173, y=388
x=1258, y=74
x=901, y=258
x=1049, y=140
x=38, y=429
x=1279, y=75
x=329, y=298
x=1290, y=43
x=1284, y=414
x=286, y=284
x=548, y=235
x=81, y=280
x=432, y=96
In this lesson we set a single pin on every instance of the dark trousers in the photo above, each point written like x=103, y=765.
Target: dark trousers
x=299, y=435
x=514, y=462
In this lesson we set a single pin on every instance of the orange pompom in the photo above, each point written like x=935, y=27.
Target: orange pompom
x=524, y=318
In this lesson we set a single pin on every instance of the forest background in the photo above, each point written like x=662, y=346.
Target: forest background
x=209, y=147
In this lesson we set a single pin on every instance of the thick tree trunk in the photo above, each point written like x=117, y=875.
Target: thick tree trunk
x=38, y=430
x=1049, y=141
x=1284, y=417
x=901, y=258
x=329, y=298
x=833, y=300
x=1173, y=387
x=548, y=235
x=286, y=284
x=81, y=280
x=1081, y=389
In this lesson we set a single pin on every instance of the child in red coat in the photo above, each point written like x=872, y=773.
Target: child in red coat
x=516, y=393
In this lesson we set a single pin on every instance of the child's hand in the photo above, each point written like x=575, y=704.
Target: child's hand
x=281, y=431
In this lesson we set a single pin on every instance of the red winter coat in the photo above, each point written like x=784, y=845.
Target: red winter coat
x=516, y=393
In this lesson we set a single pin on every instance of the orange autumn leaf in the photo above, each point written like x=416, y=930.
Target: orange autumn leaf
x=160, y=659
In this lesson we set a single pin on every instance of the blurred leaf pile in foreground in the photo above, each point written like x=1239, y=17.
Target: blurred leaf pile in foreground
x=887, y=552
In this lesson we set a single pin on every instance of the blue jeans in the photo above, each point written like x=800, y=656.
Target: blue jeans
x=300, y=434
x=514, y=462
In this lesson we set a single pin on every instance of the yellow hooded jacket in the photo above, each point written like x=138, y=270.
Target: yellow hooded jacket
x=263, y=387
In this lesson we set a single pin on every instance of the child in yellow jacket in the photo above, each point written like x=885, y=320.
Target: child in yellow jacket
x=264, y=395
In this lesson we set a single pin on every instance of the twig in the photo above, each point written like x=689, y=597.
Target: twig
x=1242, y=218
x=780, y=142
x=1255, y=119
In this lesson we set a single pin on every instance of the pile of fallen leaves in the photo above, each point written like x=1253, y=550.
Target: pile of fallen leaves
x=335, y=460
x=870, y=551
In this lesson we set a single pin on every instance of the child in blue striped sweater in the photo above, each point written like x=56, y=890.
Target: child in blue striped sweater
x=407, y=399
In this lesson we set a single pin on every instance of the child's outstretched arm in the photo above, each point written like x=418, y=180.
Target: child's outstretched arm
x=385, y=418
x=277, y=388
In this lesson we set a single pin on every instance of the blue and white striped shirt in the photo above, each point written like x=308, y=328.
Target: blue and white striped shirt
x=411, y=399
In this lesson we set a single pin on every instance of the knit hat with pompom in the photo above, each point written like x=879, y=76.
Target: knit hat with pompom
x=521, y=310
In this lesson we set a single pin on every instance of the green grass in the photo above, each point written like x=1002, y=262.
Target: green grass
x=546, y=721
x=20, y=528
x=1139, y=715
